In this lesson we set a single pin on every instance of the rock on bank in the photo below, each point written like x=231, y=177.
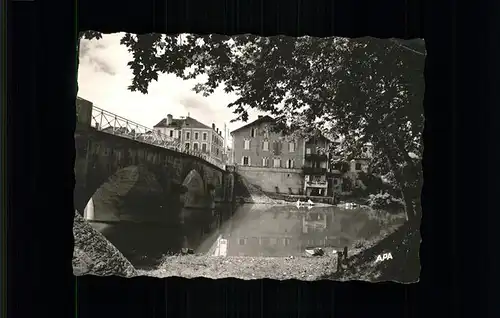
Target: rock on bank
x=94, y=254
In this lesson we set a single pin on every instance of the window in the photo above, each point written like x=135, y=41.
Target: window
x=358, y=166
x=188, y=135
x=266, y=131
x=180, y=134
x=242, y=241
x=171, y=133
x=308, y=151
x=265, y=162
x=195, y=146
x=289, y=163
x=159, y=131
x=286, y=241
x=195, y=136
x=217, y=151
x=247, y=145
x=291, y=147
x=204, y=136
x=204, y=147
x=254, y=132
x=335, y=181
x=245, y=161
x=186, y=146
x=265, y=145
x=277, y=146
x=277, y=163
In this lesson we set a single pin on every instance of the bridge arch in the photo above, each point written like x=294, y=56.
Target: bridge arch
x=134, y=193
x=196, y=192
x=100, y=156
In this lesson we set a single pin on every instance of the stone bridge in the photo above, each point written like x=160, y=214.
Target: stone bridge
x=120, y=178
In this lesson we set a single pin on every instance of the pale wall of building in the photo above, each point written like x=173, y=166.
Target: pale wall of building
x=214, y=142
x=270, y=178
x=257, y=151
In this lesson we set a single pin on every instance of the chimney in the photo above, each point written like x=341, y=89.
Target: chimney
x=169, y=119
x=213, y=126
x=259, y=117
x=217, y=130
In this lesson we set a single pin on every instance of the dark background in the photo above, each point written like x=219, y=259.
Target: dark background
x=460, y=162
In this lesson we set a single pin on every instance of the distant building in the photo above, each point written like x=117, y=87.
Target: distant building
x=193, y=135
x=359, y=164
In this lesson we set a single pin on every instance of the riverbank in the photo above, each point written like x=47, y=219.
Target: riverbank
x=403, y=266
x=280, y=268
x=94, y=254
x=253, y=194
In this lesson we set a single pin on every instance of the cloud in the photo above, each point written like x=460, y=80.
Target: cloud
x=104, y=77
x=195, y=103
x=89, y=53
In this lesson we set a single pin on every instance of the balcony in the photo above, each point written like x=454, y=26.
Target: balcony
x=314, y=171
x=317, y=184
x=316, y=157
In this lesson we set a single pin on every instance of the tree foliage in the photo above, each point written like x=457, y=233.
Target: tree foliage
x=363, y=90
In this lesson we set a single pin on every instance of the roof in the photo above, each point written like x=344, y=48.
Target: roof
x=262, y=119
x=182, y=122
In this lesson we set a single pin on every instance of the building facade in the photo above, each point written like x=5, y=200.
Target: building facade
x=255, y=144
x=268, y=159
x=278, y=163
x=193, y=135
x=321, y=177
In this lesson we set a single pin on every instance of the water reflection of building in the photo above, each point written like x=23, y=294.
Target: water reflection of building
x=284, y=230
x=316, y=226
x=265, y=233
x=330, y=228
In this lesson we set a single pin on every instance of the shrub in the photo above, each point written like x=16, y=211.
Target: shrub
x=385, y=201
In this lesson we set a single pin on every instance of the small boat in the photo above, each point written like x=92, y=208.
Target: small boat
x=308, y=203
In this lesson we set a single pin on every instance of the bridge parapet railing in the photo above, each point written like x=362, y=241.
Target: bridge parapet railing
x=108, y=122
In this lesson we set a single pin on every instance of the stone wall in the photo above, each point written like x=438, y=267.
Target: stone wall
x=100, y=156
x=267, y=179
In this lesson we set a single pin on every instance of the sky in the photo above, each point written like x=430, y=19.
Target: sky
x=103, y=78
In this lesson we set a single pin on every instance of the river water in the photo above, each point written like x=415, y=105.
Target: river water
x=248, y=230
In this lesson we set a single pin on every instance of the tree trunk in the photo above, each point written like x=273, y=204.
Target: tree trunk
x=406, y=196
